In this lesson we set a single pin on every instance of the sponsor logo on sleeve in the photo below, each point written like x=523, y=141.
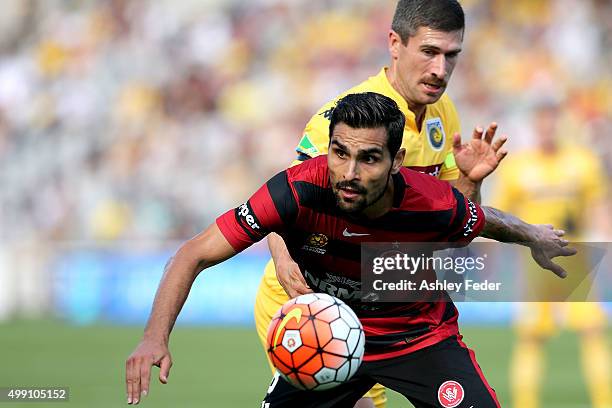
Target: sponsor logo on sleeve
x=245, y=213
x=307, y=147
x=435, y=133
x=468, y=228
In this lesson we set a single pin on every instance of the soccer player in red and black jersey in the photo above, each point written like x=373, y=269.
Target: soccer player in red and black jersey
x=358, y=193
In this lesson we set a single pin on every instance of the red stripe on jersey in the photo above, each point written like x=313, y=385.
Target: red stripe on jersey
x=251, y=221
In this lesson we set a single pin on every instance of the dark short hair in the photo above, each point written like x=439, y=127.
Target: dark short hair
x=371, y=110
x=441, y=15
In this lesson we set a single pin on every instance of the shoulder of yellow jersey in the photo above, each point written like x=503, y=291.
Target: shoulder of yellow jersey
x=315, y=139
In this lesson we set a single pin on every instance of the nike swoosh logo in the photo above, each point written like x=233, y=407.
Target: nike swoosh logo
x=293, y=314
x=352, y=234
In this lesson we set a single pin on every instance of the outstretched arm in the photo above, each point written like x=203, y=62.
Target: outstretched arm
x=203, y=251
x=544, y=241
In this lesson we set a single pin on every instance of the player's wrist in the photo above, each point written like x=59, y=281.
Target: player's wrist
x=283, y=258
x=469, y=188
x=156, y=337
x=532, y=237
x=466, y=179
x=280, y=256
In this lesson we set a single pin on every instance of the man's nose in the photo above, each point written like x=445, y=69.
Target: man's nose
x=438, y=67
x=352, y=170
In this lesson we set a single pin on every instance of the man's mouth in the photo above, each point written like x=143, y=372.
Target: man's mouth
x=433, y=87
x=349, y=193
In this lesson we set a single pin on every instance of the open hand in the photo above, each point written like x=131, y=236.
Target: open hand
x=138, y=368
x=481, y=155
x=291, y=279
x=548, y=245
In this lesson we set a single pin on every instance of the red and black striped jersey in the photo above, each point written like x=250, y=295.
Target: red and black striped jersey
x=299, y=204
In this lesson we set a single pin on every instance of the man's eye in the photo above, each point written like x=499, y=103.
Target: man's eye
x=429, y=53
x=370, y=159
x=340, y=154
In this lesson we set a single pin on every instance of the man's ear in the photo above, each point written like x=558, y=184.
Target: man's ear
x=394, y=42
x=398, y=161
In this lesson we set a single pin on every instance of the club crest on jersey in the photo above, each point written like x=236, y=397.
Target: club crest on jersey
x=316, y=243
x=435, y=133
x=450, y=394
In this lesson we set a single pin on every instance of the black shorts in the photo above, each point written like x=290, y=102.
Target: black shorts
x=443, y=375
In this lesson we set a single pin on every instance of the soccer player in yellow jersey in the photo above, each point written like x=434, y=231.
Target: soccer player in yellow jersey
x=424, y=43
x=556, y=183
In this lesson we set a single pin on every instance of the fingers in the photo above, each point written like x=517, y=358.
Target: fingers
x=286, y=288
x=500, y=155
x=568, y=251
x=477, y=134
x=164, y=369
x=297, y=276
x=490, y=134
x=291, y=279
x=301, y=285
x=457, y=141
x=133, y=380
x=457, y=146
x=556, y=269
x=498, y=143
x=297, y=287
x=145, y=377
x=302, y=289
x=129, y=379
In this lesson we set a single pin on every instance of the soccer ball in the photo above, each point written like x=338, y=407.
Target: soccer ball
x=316, y=341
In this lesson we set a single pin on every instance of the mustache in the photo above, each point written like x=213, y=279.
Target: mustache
x=351, y=185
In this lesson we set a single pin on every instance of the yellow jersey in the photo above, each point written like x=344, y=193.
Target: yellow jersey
x=555, y=189
x=429, y=150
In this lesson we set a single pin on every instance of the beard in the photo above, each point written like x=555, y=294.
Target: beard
x=356, y=205
x=352, y=207
x=364, y=199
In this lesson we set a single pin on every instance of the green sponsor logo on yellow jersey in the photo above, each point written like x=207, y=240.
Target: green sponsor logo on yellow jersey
x=307, y=147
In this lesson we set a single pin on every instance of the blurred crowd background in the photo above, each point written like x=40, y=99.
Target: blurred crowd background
x=127, y=126
x=143, y=120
